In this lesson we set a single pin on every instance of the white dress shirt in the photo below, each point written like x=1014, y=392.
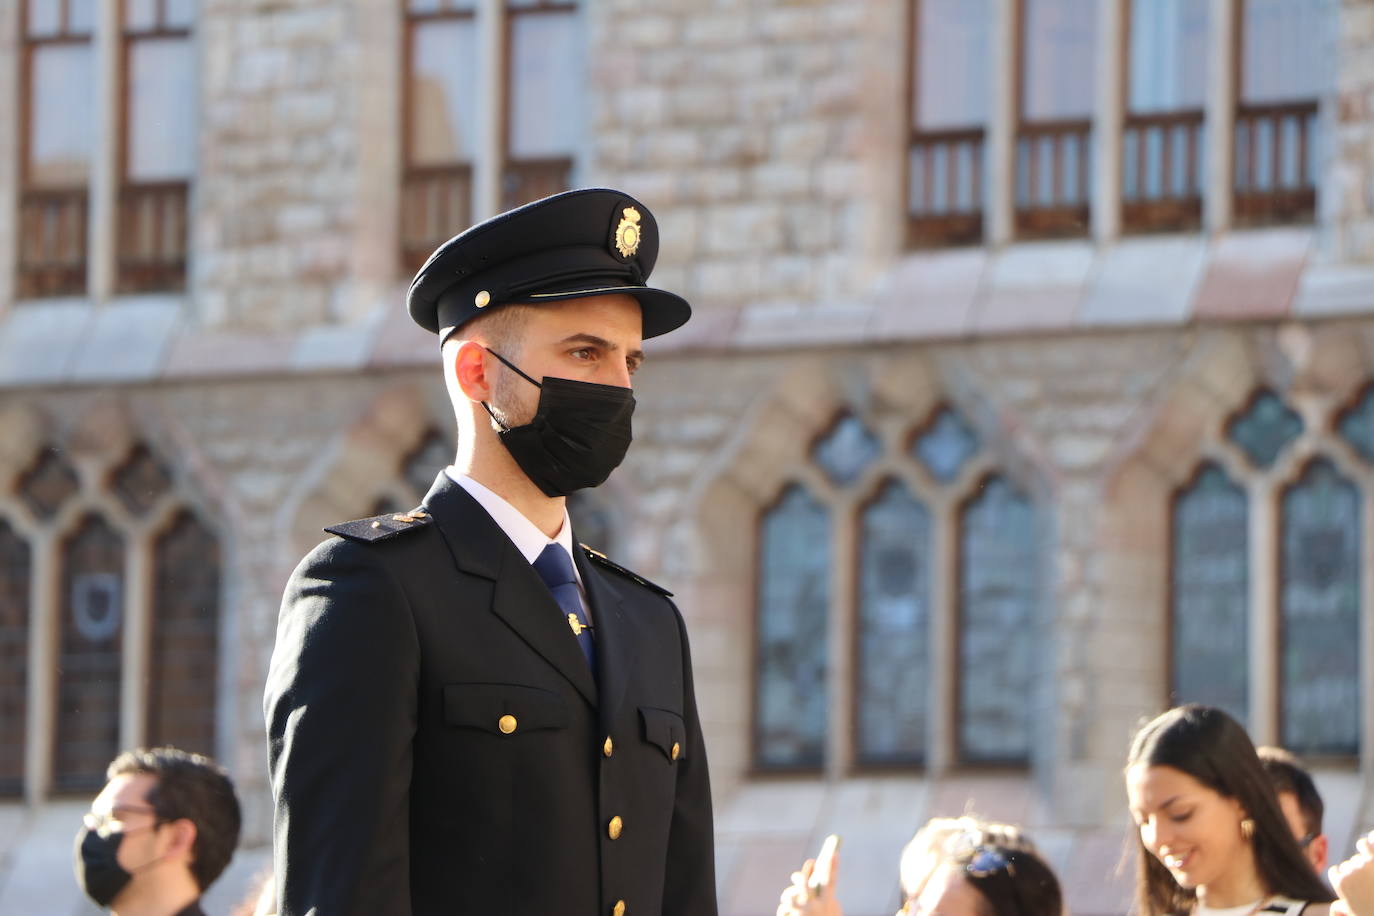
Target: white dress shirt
x=523, y=533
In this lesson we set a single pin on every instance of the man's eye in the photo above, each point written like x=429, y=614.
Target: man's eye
x=583, y=353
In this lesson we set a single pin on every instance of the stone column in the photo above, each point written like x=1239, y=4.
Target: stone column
x=1219, y=122
x=491, y=119
x=10, y=165
x=105, y=155
x=1108, y=117
x=1003, y=106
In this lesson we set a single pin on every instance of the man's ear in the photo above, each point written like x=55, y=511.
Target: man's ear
x=183, y=838
x=467, y=361
x=1317, y=851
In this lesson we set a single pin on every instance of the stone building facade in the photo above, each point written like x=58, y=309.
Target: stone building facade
x=839, y=366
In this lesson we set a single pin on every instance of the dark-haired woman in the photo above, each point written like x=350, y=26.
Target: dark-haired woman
x=952, y=867
x=1213, y=841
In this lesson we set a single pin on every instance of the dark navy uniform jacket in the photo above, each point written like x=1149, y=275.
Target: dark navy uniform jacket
x=439, y=745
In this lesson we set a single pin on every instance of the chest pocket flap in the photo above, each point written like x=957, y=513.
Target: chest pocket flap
x=503, y=709
x=665, y=730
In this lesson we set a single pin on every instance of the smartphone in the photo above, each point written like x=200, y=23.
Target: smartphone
x=824, y=872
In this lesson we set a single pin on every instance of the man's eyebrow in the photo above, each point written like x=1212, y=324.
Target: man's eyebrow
x=601, y=342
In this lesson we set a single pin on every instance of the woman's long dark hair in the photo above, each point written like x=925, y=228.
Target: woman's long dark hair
x=1211, y=747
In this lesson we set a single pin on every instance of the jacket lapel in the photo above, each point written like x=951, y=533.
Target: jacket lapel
x=610, y=626
x=519, y=598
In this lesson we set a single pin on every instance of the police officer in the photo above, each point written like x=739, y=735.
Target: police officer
x=468, y=712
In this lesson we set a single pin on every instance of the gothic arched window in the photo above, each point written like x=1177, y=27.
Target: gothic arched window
x=1210, y=594
x=892, y=676
x=184, y=661
x=999, y=594
x=1320, y=613
x=15, y=570
x=90, y=658
x=791, y=640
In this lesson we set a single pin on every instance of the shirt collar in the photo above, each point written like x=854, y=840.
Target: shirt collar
x=523, y=533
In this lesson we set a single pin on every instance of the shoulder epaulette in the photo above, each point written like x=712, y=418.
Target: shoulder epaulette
x=602, y=560
x=382, y=527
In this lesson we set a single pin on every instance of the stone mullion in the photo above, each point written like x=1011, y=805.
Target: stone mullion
x=1367, y=638
x=942, y=740
x=134, y=668
x=1265, y=574
x=41, y=722
x=840, y=752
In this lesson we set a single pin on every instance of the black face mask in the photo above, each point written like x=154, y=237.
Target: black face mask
x=579, y=434
x=98, y=871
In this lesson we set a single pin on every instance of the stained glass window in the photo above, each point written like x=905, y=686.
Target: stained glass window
x=945, y=446
x=89, y=663
x=48, y=484
x=1357, y=425
x=846, y=450
x=1209, y=603
x=14, y=657
x=141, y=481
x=998, y=626
x=893, y=676
x=794, y=603
x=185, y=637
x=433, y=454
x=1320, y=613
x=1265, y=429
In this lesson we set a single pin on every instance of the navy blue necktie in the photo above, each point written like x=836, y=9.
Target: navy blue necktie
x=555, y=568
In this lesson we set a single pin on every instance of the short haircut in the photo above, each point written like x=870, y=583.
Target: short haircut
x=1288, y=775
x=197, y=789
x=501, y=328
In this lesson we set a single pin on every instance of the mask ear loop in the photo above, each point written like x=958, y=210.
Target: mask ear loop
x=514, y=368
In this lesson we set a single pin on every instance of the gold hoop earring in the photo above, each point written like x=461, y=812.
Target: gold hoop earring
x=1247, y=828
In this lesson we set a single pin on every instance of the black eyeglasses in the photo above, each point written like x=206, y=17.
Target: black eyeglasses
x=109, y=822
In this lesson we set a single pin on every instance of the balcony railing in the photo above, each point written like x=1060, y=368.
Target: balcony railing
x=1275, y=171
x=525, y=180
x=436, y=204
x=1162, y=166
x=945, y=188
x=1053, y=178
x=52, y=243
x=152, y=240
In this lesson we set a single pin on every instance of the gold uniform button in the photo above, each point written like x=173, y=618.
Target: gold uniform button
x=618, y=909
x=614, y=827
x=506, y=724
x=608, y=747
x=677, y=749
x=482, y=299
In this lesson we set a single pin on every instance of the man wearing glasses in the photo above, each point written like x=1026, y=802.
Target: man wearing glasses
x=1300, y=802
x=159, y=833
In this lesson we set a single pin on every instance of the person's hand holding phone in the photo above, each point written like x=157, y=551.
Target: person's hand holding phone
x=812, y=891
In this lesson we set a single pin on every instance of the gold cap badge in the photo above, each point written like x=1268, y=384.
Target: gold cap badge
x=627, y=233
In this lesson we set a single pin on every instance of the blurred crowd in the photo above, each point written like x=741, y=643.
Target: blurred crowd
x=1223, y=829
